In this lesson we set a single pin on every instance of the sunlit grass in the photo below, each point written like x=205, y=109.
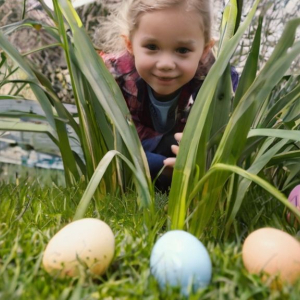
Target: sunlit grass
x=32, y=213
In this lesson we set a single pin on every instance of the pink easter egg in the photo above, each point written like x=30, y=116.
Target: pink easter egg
x=294, y=198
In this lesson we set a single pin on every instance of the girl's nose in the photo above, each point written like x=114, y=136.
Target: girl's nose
x=165, y=62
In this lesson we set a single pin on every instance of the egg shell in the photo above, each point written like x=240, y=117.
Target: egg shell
x=294, y=198
x=274, y=252
x=83, y=243
x=179, y=259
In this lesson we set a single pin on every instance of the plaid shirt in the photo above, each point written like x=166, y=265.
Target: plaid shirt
x=134, y=90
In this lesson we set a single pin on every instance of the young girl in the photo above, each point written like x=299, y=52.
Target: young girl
x=159, y=52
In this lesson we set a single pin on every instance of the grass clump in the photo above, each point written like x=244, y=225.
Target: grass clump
x=32, y=213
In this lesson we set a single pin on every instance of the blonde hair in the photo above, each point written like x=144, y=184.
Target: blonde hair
x=124, y=20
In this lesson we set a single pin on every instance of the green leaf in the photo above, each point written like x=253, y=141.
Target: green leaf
x=15, y=124
x=279, y=133
x=185, y=162
x=262, y=159
x=40, y=95
x=249, y=176
x=96, y=178
x=243, y=116
x=228, y=23
x=250, y=69
x=282, y=104
x=109, y=96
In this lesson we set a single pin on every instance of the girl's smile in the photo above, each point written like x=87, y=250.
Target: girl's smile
x=165, y=79
x=167, y=47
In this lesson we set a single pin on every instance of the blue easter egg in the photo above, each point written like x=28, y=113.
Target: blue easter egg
x=179, y=259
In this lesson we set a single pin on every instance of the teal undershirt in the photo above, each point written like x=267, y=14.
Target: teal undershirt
x=163, y=113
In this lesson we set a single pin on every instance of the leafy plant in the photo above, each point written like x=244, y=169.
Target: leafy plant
x=102, y=125
x=218, y=164
x=254, y=139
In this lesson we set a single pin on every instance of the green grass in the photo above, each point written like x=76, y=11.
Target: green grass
x=12, y=173
x=33, y=212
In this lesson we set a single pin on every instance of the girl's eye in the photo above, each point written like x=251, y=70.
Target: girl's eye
x=183, y=50
x=151, y=47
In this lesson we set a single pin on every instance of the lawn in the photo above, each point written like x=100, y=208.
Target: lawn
x=33, y=211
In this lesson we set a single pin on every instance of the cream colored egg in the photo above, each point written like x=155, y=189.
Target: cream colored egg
x=85, y=243
x=274, y=252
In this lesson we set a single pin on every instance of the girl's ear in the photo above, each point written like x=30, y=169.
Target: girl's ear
x=128, y=44
x=207, y=50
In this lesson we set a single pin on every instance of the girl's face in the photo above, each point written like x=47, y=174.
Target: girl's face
x=167, y=47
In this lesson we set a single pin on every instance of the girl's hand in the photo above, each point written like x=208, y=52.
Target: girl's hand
x=170, y=161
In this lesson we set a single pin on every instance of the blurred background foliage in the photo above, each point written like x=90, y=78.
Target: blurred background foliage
x=51, y=62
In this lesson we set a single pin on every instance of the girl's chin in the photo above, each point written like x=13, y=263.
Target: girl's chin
x=166, y=95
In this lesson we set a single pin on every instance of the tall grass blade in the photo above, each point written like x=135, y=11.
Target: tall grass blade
x=223, y=98
x=250, y=177
x=96, y=178
x=239, y=124
x=228, y=23
x=250, y=69
x=109, y=95
x=262, y=159
x=273, y=113
x=239, y=14
x=16, y=124
x=40, y=95
x=185, y=162
x=71, y=171
x=88, y=132
x=279, y=133
x=285, y=156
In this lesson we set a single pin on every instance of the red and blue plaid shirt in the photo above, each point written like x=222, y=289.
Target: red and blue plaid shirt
x=134, y=90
